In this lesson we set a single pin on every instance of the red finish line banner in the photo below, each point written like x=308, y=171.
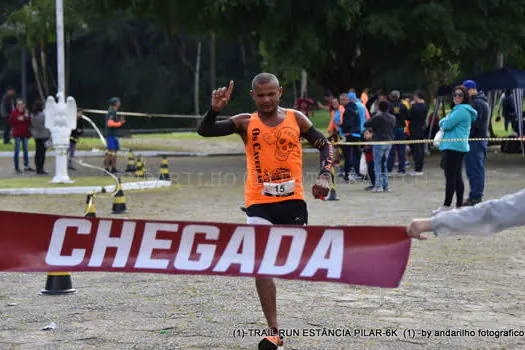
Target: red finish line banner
x=361, y=255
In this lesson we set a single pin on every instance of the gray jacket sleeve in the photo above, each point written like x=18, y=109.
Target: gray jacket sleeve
x=483, y=219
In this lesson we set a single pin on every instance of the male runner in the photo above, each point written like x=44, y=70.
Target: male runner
x=274, y=191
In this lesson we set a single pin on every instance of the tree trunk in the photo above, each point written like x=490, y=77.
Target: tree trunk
x=242, y=48
x=34, y=64
x=294, y=91
x=23, y=76
x=44, y=67
x=213, y=70
x=500, y=59
x=304, y=83
x=197, y=72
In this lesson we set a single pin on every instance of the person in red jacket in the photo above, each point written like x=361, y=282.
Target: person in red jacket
x=20, y=121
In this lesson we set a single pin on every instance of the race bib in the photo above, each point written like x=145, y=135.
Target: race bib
x=279, y=189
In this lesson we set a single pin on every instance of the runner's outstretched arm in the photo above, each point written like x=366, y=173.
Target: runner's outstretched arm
x=209, y=126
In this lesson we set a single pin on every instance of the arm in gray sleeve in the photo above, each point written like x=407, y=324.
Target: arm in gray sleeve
x=483, y=219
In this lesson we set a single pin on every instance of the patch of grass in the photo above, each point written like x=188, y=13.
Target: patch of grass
x=499, y=128
x=320, y=119
x=37, y=182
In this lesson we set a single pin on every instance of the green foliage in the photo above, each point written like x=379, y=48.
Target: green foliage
x=145, y=50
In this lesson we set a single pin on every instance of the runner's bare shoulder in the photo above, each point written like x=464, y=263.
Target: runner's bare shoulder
x=302, y=120
x=241, y=121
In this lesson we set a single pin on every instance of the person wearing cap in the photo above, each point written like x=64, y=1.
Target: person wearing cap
x=400, y=111
x=113, y=123
x=475, y=158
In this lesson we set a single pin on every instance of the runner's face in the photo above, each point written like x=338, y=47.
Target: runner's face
x=266, y=97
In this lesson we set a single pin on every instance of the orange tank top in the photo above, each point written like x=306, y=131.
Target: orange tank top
x=274, y=161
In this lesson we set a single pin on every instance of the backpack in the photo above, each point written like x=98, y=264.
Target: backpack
x=351, y=112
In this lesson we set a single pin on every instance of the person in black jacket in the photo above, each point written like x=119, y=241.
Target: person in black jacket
x=400, y=112
x=417, y=116
x=475, y=158
x=351, y=126
x=509, y=111
x=382, y=125
x=7, y=105
x=73, y=139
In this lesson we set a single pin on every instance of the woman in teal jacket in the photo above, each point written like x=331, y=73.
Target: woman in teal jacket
x=456, y=125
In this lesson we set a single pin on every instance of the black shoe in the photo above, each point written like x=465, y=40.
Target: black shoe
x=369, y=188
x=71, y=168
x=471, y=202
x=18, y=171
x=42, y=172
x=29, y=169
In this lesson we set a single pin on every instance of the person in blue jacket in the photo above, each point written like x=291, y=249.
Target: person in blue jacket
x=456, y=125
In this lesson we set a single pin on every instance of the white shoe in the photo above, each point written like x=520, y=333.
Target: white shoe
x=416, y=173
x=440, y=209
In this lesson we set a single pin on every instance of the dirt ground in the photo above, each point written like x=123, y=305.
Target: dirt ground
x=462, y=283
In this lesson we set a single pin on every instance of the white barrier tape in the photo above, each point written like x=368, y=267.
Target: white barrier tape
x=408, y=142
x=150, y=115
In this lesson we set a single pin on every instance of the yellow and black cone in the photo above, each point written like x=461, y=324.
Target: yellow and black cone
x=90, y=206
x=130, y=168
x=119, y=201
x=139, y=169
x=58, y=283
x=332, y=195
x=164, y=170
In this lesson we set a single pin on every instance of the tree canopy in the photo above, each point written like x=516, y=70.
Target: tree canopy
x=146, y=50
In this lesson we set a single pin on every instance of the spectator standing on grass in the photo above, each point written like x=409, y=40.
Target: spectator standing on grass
x=400, y=112
x=7, y=105
x=113, y=123
x=368, y=151
x=417, y=116
x=475, y=158
x=509, y=111
x=20, y=121
x=350, y=125
x=355, y=133
x=73, y=139
x=41, y=135
x=456, y=125
x=382, y=125
x=335, y=132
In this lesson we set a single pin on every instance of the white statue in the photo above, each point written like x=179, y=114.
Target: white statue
x=61, y=118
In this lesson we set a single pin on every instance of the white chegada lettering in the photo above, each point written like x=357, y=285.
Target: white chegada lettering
x=104, y=241
x=53, y=256
x=150, y=242
x=273, y=246
x=243, y=237
x=206, y=252
x=333, y=241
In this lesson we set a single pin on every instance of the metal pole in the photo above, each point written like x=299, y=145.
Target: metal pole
x=60, y=47
x=61, y=116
